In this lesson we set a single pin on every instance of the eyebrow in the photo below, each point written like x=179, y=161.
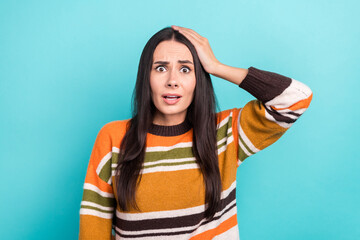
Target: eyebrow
x=179, y=61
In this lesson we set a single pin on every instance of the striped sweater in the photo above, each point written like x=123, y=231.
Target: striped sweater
x=171, y=193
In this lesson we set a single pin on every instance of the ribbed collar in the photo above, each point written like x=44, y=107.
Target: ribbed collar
x=170, y=131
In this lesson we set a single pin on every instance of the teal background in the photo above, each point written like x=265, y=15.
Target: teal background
x=69, y=67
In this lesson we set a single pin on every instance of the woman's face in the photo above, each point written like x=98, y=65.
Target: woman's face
x=172, y=74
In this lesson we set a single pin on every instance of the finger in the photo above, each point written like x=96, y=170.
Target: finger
x=190, y=34
x=193, y=34
x=190, y=31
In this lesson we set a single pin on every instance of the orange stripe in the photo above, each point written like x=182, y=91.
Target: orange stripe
x=92, y=227
x=298, y=105
x=93, y=178
x=155, y=140
x=222, y=115
x=223, y=227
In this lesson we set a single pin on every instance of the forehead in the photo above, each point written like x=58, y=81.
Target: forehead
x=167, y=50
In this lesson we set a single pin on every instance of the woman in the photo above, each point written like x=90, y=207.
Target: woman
x=175, y=175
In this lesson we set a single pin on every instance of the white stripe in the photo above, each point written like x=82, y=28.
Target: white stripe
x=85, y=211
x=103, y=161
x=177, y=160
x=94, y=188
x=214, y=224
x=223, y=148
x=229, y=131
x=199, y=229
x=169, y=237
x=282, y=124
x=294, y=93
x=226, y=192
x=283, y=113
x=170, y=213
x=286, y=110
x=166, y=168
x=220, y=150
x=238, y=162
x=115, y=149
x=162, y=148
x=221, y=141
x=244, y=148
x=244, y=137
x=169, y=168
x=110, y=180
x=232, y=233
x=181, y=145
x=224, y=121
x=91, y=204
x=169, y=230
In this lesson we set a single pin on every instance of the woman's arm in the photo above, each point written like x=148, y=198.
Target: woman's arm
x=98, y=202
x=231, y=74
x=280, y=100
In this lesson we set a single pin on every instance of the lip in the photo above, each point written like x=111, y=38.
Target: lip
x=171, y=101
x=171, y=94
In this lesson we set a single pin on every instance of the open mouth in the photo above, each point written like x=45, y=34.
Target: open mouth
x=171, y=97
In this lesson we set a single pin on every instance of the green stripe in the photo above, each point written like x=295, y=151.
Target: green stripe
x=105, y=172
x=186, y=152
x=176, y=153
x=94, y=197
x=227, y=137
x=247, y=148
x=114, y=157
x=221, y=145
x=222, y=132
x=97, y=209
x=114, y=160
x=170, y=164
x=241, y=154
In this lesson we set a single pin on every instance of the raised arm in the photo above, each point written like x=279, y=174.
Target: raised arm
x=280, y=102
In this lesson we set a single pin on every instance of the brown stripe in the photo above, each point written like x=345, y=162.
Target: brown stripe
x=294, y=113
x=175, y=222
x=278, y=117
x=173, y=232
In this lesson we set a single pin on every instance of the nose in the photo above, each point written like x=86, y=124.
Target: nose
x=172, y=80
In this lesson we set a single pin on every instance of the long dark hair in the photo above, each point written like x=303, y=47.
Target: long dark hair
x=201, y=114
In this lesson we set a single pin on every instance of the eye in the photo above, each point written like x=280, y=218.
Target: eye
x=187, y=69
x=160, y=67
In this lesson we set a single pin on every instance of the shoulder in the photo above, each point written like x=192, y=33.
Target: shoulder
x=225, y=115
x=115, y=125
x=114, y=130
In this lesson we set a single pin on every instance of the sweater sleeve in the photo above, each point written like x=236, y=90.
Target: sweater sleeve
x=98, y=202
x=280, y=102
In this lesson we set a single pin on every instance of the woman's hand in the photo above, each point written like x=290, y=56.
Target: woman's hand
x=202, y=46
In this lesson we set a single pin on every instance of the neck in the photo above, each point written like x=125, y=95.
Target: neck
x=173, y=130
x=168, y=120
